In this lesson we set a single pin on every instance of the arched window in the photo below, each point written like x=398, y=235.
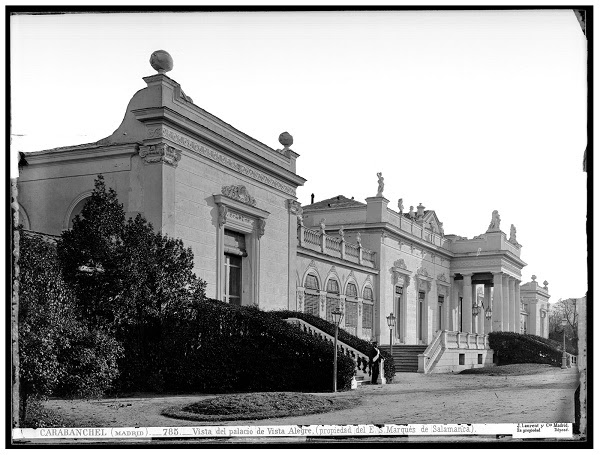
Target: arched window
x=76, y=211
x=311, y=295
x=367, y=314
x=333, y=298
x=351, y=317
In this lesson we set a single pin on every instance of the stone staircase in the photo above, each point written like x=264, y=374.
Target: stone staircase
x=406, y=356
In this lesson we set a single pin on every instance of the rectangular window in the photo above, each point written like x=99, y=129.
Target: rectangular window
x=479, y=359
x=311, y=303
x=461, y=359
x=233, y=279
x=330, y=305
x=367, y=316
x=367, y=320
x=351, y=314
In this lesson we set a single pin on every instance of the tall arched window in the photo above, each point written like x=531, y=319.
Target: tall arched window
x=76, y=211
x=333, y=298
x=367, y=314
x=311, y=295
x=351, y=308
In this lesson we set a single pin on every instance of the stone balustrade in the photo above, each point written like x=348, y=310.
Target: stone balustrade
x=361, y=361
x=318, y=240
x=450, y=340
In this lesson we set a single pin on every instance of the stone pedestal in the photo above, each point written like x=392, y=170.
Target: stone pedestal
x=376, y=209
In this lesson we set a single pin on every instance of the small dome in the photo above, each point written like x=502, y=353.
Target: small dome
x=286, y=139
x=161, y=61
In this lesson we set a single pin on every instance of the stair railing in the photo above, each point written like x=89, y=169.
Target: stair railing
x=433, y=352
x=361, y=360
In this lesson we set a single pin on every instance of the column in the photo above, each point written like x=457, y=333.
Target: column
x=467, y=313
x=487, y=301
x=517, y=306
x=481, y=318
x=497, y=303
x=505, y=304
x=511, y=302
x=474, y=302
x=453, y=305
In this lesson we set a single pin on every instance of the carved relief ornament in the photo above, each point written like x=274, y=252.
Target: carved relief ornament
x=294, y=207
x=239, y=193
x=157, y=153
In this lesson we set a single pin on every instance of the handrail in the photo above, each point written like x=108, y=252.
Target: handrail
x=431, y=355
x=449, y=339
x=358, y=357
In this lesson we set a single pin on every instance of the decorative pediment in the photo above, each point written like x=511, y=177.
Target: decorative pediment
x=400, y=273
x=400, y=264
x=422, y=271
x=432, y=223
x=443, y=283
x=239, y=193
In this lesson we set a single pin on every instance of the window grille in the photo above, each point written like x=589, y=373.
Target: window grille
x=368, y=294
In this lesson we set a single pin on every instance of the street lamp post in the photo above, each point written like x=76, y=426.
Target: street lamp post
x=564, y=356
x=391, y=320
x=337, y=317
x=475, y=310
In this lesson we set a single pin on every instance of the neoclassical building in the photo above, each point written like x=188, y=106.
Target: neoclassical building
x=232, y=199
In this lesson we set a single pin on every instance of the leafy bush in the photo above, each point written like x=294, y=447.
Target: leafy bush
x=58, y=354
x=511, y=347
x=357, y=343
x=127, y=279
x=222, y=347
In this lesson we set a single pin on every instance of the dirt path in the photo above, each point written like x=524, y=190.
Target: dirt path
x=412, y=398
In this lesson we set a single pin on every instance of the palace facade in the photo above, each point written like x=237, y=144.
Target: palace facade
x=232, y=199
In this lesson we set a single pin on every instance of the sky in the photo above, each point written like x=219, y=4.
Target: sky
x=465, y=112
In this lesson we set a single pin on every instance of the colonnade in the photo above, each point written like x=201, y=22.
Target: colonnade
x=505, y=293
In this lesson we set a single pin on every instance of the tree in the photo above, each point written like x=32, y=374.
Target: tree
x=565, y=309
x=127, y=278
x=58, y=354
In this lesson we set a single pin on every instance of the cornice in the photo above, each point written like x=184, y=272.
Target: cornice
x=174, y=120
x=330, y=259
x=196, y=147
x=75, y=153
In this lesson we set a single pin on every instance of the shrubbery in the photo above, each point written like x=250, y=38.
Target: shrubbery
x=510, y=347
x=58, y=353
x=223, y=347
x=357, y=343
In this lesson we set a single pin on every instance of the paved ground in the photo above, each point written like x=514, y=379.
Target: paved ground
x=412, y=398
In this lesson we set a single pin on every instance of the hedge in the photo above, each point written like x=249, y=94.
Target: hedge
x=220, y=347
x=511, y=348
x=357, y=343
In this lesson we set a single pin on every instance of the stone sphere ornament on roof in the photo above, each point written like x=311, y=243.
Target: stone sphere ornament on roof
x=286, y=139
x=161, y=61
